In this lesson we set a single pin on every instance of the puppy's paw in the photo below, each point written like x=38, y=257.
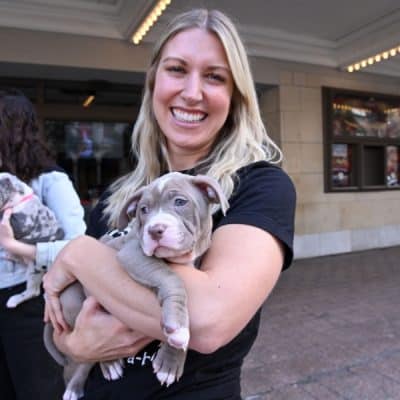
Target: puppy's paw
x=71, y=395
x=14, y=301
x=112, y=370
x=168, y=364
x=17, y=299
x=179, y=338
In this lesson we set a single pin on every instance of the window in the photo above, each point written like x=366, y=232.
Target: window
x=94, y=153
x=362, y=141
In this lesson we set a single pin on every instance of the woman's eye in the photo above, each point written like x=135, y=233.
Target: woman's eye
x=180, y=202
x=144, y=209
x=176, y=69
x=216, y=77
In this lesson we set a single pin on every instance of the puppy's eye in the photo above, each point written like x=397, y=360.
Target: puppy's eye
x=144, y=209
x=180, y=202
x=131, y=214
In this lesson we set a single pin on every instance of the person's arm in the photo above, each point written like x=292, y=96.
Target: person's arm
x=60, y=196
x=58, y=193
x=12, y=245
x=237, y=274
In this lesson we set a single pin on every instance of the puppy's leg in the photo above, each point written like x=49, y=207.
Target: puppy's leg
x=168, y=364
x=33, y=282
x=171, y=292
x=75, y=375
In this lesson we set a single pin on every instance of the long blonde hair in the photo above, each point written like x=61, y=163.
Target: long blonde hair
x=242, y=140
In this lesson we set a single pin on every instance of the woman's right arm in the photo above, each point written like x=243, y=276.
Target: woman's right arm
x=87, y=260
x=98, y=335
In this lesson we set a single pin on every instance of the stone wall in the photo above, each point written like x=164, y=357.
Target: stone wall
x=326, y=223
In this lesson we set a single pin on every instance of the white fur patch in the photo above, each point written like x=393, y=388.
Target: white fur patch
x=165, y=178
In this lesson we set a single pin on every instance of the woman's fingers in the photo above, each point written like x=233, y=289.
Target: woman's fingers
x=6, y=231
x=54, y=314
x=98, y=336
x=6, y=216
x=54, y=282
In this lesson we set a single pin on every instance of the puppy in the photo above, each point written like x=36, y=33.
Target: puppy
x=170, y=219
x=32, y=222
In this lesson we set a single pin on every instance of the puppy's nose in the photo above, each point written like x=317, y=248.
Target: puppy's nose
x=156, y=231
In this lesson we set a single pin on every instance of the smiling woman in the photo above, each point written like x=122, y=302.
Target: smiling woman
x=192, y=94
x=199, y=115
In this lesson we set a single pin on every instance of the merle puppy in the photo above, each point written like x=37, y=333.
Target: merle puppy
x=32, y=222
x=169, y=219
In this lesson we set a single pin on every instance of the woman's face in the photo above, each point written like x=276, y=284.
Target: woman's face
x=192, y=94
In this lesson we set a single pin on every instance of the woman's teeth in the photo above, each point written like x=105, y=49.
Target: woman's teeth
x=185, y=116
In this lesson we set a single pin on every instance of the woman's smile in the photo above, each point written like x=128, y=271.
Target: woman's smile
x=186, y=116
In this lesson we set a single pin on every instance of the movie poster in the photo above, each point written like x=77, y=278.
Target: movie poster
x=392, y=166
x=341, y=165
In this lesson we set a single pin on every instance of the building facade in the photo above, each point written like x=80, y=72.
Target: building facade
x=58, y=70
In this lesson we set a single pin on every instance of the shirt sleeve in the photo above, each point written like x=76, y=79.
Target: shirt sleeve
x=265, y=197
x=60, y=196
x=58, y=193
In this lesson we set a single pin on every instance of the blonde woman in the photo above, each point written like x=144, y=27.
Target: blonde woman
x=199, y=115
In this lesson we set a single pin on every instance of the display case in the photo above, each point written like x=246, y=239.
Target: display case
x=361, y=140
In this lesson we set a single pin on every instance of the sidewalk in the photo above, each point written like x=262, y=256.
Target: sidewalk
x=330, y=331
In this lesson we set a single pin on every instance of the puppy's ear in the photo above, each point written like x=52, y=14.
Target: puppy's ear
x=20, y=188
x=212, y=190
x=129, y=211
x=6, y=183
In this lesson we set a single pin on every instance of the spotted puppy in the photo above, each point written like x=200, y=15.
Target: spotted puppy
x=168, y=220
x=32, y=222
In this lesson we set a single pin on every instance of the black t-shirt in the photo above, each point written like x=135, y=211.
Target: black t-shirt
x=264, y=197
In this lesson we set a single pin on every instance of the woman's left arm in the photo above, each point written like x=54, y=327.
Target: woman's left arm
x=237, y=274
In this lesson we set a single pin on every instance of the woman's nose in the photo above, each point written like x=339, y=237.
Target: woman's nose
x=192, y=91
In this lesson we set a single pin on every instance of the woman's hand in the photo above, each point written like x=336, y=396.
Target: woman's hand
x=18, y=251
x=54, y=282
x=98, y=336
x=7, y=238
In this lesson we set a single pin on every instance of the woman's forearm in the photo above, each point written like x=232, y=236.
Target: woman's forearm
x=95, y=265
x=21, y=249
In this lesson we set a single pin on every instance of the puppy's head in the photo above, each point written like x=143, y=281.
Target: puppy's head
x=173, y=215
x=7, y=189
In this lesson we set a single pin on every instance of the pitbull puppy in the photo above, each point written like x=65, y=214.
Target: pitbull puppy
x=170, y=219
x=32, y=222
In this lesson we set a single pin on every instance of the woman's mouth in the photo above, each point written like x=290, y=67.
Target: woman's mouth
x=188, y=117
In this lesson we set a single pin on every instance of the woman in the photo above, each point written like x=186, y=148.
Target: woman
x=26, y=369
x=199, y=115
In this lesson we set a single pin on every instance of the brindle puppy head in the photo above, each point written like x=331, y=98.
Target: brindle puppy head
x=7, y=190
x=10, y=186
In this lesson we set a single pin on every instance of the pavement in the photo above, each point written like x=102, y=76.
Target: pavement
x=330, y=331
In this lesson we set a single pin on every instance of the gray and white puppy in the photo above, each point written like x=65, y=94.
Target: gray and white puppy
x=32, y=222
x=170, y=219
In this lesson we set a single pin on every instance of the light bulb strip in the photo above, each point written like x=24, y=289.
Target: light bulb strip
x=150, y=20
x=88, y=101
x=384, y=55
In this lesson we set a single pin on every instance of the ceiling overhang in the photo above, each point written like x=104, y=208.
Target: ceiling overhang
x=116, y=19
